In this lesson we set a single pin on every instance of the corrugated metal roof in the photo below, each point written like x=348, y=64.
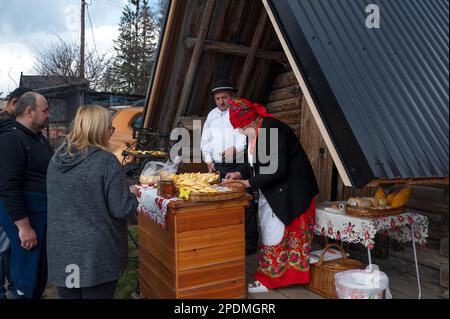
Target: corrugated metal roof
x=36, y=82
x=389, y=83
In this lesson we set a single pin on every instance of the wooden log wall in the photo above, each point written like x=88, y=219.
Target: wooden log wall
x=286, y=103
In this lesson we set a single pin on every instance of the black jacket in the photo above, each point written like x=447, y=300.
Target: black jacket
x=24, y=158
x=291, y=187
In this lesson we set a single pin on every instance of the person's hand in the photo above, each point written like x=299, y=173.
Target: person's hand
x=233, y=176
x=134, y=190
x=246, y=183
x=229, y=154
x=210, y=167
x=27, y=235
x=243, y=182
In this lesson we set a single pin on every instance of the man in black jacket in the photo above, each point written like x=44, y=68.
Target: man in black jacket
x=7, y=118
x=23, y=203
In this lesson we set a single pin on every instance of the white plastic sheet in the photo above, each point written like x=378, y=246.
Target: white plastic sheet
x=154, y=169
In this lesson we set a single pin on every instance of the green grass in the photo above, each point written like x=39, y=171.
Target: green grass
x=128, y=282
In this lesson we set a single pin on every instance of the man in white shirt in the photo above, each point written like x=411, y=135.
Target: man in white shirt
x=222, y=146
x=223, y=150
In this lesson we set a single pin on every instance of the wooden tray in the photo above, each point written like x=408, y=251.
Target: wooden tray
x=214, y=197
x=373, y=213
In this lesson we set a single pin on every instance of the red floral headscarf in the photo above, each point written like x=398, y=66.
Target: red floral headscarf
x=244, y=112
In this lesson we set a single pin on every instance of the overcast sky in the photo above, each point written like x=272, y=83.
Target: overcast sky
x=27, y=26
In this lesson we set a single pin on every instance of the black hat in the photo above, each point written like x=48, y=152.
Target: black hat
x=222, y=85
x=17, y=93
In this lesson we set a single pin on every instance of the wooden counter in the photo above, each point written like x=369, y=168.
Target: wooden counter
x=200, y=254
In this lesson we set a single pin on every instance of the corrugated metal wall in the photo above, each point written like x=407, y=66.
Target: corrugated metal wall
x=391, y=82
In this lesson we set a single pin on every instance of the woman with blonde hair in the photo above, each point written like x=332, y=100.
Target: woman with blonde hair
x=88, y=203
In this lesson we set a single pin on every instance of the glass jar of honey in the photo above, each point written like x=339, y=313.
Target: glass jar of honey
x=167, y=188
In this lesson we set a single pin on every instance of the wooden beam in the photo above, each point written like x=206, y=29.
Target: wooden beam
x=159, y=67
x=236, y=49
x=252, y=53
x=195, y=60
x=410, y=181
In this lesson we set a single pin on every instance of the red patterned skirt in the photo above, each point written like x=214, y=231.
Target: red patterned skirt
x=287, y=263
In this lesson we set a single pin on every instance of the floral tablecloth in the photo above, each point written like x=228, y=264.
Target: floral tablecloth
x=153, y=206
x=337, y=225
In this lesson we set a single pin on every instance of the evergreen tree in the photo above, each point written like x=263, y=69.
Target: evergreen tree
x=138, y=34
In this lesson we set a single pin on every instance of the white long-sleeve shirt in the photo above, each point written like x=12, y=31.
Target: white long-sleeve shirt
x=218, y=135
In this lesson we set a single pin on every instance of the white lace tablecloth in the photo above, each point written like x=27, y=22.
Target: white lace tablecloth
x=153, y=206
x=339, y=226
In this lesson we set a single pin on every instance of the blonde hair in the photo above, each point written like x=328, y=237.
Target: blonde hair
x=89, y=128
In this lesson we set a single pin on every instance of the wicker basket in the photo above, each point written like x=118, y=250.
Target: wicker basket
x=322, y=273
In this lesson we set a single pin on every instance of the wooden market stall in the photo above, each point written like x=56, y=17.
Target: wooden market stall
x=200, y=254
x=364, y=118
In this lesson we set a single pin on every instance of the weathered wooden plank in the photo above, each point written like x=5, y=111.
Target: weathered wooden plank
x=430, y=192
x=249, y=62
x=272, y=294
x=317, y=152
x=289, y=117
x=299, y=292
x=412, y=181
x=285, y=93
x=444, y=247
x=195, y=59
x=223, y=290
x=427, y=257
x=165, y=64
x=285, y=80
x=263, y=72
x=208, y=69
x=285, y=105
x=210, y=237
x=236, y=49
x=444, y=275
x=210, y=256
x=430, y=205
x=211, y=275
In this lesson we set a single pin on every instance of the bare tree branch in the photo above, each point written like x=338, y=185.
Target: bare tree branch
x=62, y=59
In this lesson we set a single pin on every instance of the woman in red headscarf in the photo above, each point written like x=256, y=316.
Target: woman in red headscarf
x=287, y=187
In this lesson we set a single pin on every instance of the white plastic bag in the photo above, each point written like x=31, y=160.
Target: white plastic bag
x=331, y=254
x=369, y=283
x=152, y=170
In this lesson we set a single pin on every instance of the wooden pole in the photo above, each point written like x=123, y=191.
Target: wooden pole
x=83, y=6
x=252, y=53
x=195, y=60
